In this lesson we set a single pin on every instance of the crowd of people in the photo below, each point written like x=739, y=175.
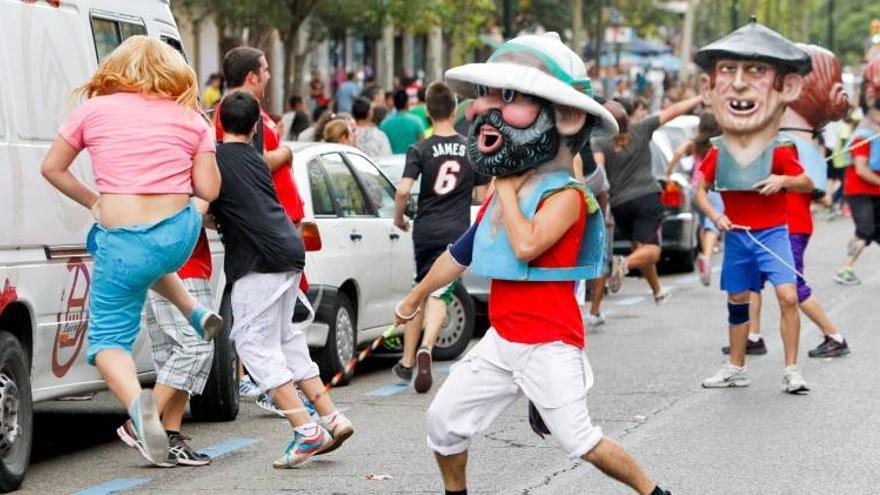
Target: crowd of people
x=549, y=187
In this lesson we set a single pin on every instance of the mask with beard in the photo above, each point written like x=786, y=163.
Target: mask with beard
x=520, y=150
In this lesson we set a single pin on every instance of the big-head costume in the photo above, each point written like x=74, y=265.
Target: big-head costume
x=532, y=109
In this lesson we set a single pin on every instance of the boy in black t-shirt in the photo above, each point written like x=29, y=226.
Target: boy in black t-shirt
x=264, y=260
x=445, y=197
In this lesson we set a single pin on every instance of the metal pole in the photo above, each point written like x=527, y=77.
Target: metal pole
x=508, y=19
x=734, y=15
x=831, y=25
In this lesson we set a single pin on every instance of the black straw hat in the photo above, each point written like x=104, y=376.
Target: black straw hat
x=756, y=42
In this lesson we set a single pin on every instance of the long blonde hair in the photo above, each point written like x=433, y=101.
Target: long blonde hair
x=144, y=65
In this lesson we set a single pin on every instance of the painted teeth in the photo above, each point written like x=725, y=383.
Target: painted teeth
x=741, y=104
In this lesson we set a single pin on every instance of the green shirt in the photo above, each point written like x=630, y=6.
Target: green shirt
x=421, y=111
x=403, y=130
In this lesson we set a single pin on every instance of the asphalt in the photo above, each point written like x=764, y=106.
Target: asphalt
x=648, y=362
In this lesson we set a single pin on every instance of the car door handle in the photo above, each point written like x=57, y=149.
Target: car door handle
x=354, y=236
x=394, y=236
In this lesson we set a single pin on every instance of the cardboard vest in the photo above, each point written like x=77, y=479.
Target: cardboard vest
x=493, y=255
x=866, y=133
x=812, y=161
x=731, y=176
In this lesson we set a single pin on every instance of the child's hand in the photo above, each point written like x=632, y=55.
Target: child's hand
x=96, y=210
x=770, y=185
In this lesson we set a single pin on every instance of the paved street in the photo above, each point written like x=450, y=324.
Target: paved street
x=648, y=363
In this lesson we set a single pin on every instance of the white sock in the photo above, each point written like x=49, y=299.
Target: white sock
x=625, y=266
x=326, y=420
x=837, y=337
x=754, y=337
x=309, y=429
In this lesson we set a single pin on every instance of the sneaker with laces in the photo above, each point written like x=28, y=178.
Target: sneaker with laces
x=793, y=381
x=829, y=348
x=423, y=379
x=846, y=276
x=403, y=372
x=663, y=296
x=144, y=432
x=183, y=454
x=265, y=403
x=755, y=348
x=704, y=267
x=728, y=376
x=340, y=428
x=594, y=320
x=247, y=389
x=615, y=280
x=302, y=447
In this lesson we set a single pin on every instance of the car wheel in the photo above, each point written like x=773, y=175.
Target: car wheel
x=16, y=413
x=458, y=330
x=219, y=400
x=341, y=340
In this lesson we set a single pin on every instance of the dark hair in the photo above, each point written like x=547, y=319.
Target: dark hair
x=400, y=99
x=294, y=100
x=422, y=93
x=214, y=77
x=239, y=62
x=706, y=130
x=239, y=112
x=379, y=114
x=349, y=76
x=440, y=101
x=360, y=109
x=318, y=112
x=371, y=90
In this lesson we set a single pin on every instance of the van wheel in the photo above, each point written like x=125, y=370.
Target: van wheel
x=219, y=401
x=458, y=331
x=16, y=413
x=341, y=340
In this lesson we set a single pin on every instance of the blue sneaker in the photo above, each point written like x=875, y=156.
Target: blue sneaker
x=265, y=403
x=205, y=322
x=302, y=447
x=309, y=406
x=247, y=389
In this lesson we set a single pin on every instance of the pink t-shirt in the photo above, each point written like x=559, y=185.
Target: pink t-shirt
x=138, y=145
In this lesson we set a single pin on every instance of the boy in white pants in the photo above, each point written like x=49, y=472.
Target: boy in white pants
x=264, y=260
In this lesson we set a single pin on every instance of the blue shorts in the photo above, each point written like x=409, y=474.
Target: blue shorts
x=128, y=260
x=705, y=222
x=746, y=263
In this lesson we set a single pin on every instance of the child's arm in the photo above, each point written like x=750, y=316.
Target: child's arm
x=702, y=198
x=56, y=170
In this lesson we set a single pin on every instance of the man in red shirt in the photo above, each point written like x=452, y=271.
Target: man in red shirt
x=245, y=68
x=751, y=75
x=861, y=185
x=539, y=233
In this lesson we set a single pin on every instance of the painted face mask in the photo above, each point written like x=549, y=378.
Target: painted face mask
x=497, y=148
x=744, y=97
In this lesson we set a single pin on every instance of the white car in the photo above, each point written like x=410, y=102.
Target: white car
x=358, y=264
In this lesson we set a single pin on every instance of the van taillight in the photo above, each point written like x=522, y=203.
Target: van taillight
x=672, y=195
x=311, y=236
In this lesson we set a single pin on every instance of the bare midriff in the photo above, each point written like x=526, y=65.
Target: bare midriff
x=122, y=210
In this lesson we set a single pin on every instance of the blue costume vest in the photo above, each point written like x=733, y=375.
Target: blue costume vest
x=731, y=176
x=811, y=160
x=493, y=255
x=866, y=133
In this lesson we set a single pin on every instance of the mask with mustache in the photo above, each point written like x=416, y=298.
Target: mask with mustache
x=521, y=149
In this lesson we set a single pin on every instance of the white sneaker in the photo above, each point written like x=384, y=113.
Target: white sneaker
x=247, y=389
x=793, y=380
x=594, y=320
x=663, y=296
x=615, y=280
x=728, y=376
x=704, y=267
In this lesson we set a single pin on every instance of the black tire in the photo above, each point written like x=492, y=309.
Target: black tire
x=16, y=408
x=341, y=339
x=219, y=401
x=459, y=329
x=681, y=262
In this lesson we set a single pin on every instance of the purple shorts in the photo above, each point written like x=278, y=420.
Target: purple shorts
x=798, y=248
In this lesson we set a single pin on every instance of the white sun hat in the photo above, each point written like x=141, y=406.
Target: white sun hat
x=535, y=64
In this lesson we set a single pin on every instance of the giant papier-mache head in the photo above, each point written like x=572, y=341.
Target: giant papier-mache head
x=871, y=82
x=750, y=76
x=531, y=98
x=822, y=99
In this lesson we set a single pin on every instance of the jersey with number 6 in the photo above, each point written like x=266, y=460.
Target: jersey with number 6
x=447, y=184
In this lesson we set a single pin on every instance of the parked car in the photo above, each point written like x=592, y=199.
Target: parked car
x=45, y=271
x=358, y=264
x=678, y=231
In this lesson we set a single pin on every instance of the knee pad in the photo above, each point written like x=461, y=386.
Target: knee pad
x=737, y=313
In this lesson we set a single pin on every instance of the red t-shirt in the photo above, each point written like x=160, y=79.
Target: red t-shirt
x=800, y=219
x=199, y=263
x=541, y=312
x=752, y=209
x=852, y=183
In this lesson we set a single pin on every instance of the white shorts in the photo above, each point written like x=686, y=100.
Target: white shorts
x=554, y=376
x=274, y=350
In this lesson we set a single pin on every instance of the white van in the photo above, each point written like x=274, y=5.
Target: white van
x=46, y=49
